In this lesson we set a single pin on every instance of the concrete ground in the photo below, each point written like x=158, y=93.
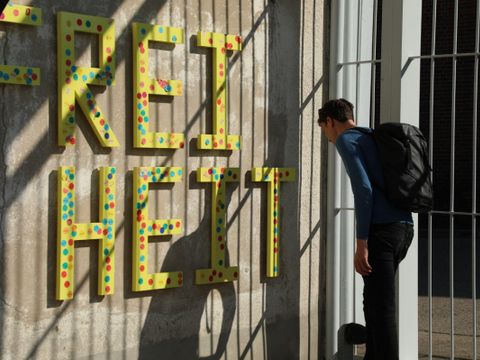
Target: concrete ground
x=441, y=325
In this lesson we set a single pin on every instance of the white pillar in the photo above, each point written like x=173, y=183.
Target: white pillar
x=400, y=102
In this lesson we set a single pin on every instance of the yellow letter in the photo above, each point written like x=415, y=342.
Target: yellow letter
x=143, y=228
x=20, y=75
x=273, y=176
x=220, y=139
x=143, y=85
x=68, y=231
x=73, y=80
x=218, y=271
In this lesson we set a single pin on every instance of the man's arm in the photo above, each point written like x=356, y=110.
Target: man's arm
x=355, y=165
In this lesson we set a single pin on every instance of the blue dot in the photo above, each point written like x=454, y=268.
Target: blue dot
x=229, y=173
x=172, y=173
x=84, y=77
x=16, y=71
x=161, y=140
x=34, y=17
x=109, y=82
x=168, y=88
x=275, y=269
x=162, y=230
x=171, y=227
x=109, y=176
x=65, y=208
x=179, y=172
x=107, y=278
x=141, y=230
x=70, y=213
x=113, y=170
x=105, y=252
x=174, y=38
x=74, y=68
x=88, y=23
x=207, y=142
x=142, y=258
x=1, y=74
x=69, y=195
x=157, y=170
x=104, y=222
x=220, y=221
x=218, y=229
x=275, y=230
x=143, y=31
x=68, y=52
x=65, y=252
x=29, y=71
x=106, y=206
x=64, y=217
x=140, y=281
x=65, y=265
x=145, y=119
x=75, y=77
x=6, y=77
x=139, y=106
x=107, y=68
x=92, y=75
x=70, y=204
x=160, y=30
x=96, y=228
x=72, y=176
x=150, y=229
x=106, y=127
x=143, y=113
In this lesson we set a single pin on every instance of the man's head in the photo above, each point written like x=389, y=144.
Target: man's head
x=335, y=117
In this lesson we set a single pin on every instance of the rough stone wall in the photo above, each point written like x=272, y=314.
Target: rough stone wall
x=275, y=86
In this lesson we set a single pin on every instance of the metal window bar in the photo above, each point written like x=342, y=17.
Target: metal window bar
x=430, y=157
x=373, y=64
x=474, y=183
x=452, y=181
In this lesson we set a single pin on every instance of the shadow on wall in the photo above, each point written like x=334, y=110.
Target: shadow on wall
x=178, y=312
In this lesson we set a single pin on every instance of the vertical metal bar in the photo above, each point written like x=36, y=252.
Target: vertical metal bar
x=373, y=65
x=430, y=158
x=357, y=66
x=474, y=185
x=452, y=181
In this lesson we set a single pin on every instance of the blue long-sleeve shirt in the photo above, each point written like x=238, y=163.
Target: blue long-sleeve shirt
x=360, y=157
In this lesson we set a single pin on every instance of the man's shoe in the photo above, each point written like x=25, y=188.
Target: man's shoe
x=355, y=334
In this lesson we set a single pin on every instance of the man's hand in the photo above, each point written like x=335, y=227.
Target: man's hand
x=361, y=258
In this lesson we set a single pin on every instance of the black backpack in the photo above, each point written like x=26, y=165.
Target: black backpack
x=403, y=154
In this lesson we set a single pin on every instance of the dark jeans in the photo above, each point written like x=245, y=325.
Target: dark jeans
x=387, y=246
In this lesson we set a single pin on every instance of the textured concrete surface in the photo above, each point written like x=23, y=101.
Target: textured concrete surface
x=275, y=86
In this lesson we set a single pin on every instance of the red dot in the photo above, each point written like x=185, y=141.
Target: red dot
x=71, y=186
x=275, y=240
x=215, y=144
x=210, y=41
x=223, y=50
x=102, y=122
x=107, y=288
x=142, y=246
x=150, y=281
x=182, y=145
x=180, y=275
x=70, y=242
x=142, y=267
x=67, y=284
x=144, y=94
x=107, y=259
x=144, y=225
x=105, y=231
x=222, y=246
x=220, y=66
x=2, y=16
x=140, y=119
x=177, y=224
x=109, y=267
x=229, y=45
x=64, y=274
x=214, y=272
x=142, y=238
x=220, y=274
x=169, y=281
x=235, y=274
x=79, y=22
x=112, y=204
x=109, y=50
x=68, y=37
x=180, y=281
x=109, y=59
x=286, y=173
x=219, y=101
x=275, y=250
x=210, y=278
x=15, y=12
x=221, y=73
x=142, y=69
x=238, y=39
x=69, y=222
x=99, y=28
x=71, y=108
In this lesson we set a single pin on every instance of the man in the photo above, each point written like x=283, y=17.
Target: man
x=384, y=232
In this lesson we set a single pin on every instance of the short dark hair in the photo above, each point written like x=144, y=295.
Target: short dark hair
x=337, y=109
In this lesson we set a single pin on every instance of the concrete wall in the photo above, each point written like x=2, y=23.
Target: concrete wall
x=275, y=86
